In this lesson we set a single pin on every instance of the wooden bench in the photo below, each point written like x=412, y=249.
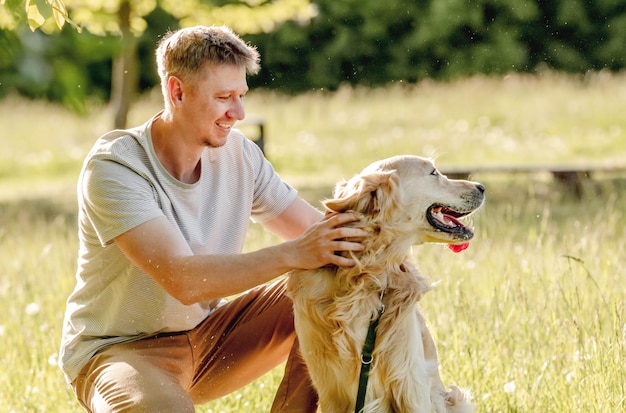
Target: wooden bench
x=254, y=123
x=571, y=176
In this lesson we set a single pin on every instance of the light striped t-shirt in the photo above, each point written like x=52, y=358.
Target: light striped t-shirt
x=122, y=184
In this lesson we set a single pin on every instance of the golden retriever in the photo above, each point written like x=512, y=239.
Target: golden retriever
x=401, y=201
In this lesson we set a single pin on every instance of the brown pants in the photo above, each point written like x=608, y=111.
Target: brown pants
x=238, y=343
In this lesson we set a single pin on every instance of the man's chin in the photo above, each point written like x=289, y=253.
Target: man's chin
x=218, y=138
x=215, y=143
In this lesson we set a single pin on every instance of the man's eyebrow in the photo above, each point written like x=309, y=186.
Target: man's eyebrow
x=232, y=91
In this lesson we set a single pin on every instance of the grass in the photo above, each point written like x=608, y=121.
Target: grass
x=532, y=317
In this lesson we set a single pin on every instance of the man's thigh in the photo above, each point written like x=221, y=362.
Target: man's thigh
x=241, y=341
x=144, y=376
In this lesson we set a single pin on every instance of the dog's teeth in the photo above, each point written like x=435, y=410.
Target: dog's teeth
x=446, y=220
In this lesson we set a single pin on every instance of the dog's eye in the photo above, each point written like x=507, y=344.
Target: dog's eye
x=435, y=172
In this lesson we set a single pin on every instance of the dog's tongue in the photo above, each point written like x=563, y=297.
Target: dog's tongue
x=458, y=247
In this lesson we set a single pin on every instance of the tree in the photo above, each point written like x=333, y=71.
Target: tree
x=126, y=18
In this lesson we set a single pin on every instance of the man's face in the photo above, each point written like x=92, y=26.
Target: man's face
x=214, y=102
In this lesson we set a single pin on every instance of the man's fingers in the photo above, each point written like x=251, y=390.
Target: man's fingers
x=347, y=246
x=330, y=239
x=344, y=232
x=343, y=261
x=338, y=219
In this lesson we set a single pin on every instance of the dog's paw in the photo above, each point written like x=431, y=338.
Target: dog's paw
x=458, y=401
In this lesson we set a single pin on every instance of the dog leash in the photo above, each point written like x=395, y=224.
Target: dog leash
x=366, y=360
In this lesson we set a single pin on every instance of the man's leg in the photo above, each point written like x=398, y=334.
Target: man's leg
x=143, y=376
x=245, y=339
x=295, y=393
x=238, y=343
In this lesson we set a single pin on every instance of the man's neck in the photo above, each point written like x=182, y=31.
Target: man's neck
x=175, y=153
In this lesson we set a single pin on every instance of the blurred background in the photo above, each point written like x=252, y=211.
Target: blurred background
x=307, y=45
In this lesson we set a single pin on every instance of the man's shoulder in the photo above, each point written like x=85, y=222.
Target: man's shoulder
x=119, y=141
x=120, y=152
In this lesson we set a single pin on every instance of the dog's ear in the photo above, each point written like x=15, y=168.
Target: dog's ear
x=363, y=193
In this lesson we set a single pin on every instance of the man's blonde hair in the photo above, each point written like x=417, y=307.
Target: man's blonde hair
x=183, y=53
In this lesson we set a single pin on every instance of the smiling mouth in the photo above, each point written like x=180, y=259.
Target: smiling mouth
x=446, y=219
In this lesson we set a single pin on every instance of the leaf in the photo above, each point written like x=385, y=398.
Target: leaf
x=44, y=8
x=34, y=16
x=59, y=12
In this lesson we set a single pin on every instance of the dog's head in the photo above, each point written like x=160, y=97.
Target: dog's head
x=408, y=195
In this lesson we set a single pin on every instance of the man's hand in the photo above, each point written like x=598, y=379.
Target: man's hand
x=318, y=245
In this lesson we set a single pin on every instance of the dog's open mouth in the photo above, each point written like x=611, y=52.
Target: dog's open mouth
x=446, y=219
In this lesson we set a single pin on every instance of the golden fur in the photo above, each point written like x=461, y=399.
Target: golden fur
x=333, y=306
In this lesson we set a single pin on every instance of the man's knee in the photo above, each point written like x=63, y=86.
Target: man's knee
x=124, y=387
x=164, y=402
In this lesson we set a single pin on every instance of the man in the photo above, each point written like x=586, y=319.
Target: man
x=163, y=213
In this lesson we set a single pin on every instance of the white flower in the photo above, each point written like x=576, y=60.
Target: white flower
x=32, y=309
x=53, y=360
x=509, y=387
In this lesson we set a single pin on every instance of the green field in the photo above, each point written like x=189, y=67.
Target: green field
x=531, y=318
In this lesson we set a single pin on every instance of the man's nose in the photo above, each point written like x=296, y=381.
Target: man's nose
x=237, y=110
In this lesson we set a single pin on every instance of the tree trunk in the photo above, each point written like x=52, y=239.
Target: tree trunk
x=124, y=76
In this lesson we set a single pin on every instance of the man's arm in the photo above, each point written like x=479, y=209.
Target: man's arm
x=162, y=253
x=294, y=220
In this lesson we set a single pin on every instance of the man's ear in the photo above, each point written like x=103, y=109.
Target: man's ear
x=175, y=90
x=363, y=193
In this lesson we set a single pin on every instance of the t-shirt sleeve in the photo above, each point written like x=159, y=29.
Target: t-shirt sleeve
x=116, y=198
x=272, y=195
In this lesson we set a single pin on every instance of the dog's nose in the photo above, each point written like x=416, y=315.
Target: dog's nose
x=481, y=188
